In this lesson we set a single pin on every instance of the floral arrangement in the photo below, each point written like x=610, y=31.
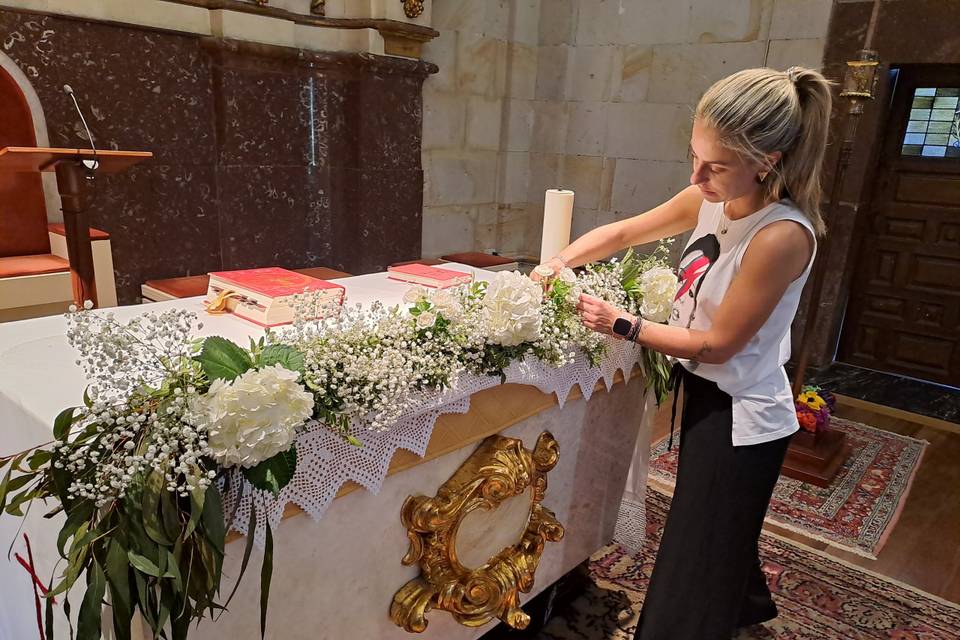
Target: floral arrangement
x=814, y=407
x=169, y=423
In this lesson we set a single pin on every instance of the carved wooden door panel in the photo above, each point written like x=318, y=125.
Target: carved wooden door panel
x=904, y=309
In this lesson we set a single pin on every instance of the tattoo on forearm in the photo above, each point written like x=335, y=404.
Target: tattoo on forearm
x=704, y=350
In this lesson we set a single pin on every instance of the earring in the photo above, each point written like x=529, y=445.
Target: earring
x=761, y=177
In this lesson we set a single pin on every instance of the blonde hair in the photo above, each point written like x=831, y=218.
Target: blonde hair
x=759, y=111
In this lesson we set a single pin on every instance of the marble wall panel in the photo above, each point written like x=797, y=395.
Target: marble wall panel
x=264, y=155
x=138, y=89
x=163, y=220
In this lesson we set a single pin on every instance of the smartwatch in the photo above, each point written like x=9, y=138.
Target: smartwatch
x=622, y=327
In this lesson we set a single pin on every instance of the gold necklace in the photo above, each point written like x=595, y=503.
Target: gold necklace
x=724, y=220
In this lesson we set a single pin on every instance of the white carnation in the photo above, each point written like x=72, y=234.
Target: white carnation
x=658, y=287
x=255, y=416
x=511, y=309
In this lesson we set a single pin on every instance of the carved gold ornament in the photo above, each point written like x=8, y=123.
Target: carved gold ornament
x=499, y=470
x=412, y=8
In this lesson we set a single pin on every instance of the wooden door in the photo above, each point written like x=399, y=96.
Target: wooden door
x=904, y=309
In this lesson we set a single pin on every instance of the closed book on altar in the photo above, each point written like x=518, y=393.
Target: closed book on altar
x=264, y=296
x=427, y=276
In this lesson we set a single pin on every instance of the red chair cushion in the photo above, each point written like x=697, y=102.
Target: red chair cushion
x=95, y=234
x=34, y=265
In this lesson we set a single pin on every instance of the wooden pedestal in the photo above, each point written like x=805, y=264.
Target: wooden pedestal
x=816, y=458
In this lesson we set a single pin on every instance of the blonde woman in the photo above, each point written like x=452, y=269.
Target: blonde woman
x=757, y=147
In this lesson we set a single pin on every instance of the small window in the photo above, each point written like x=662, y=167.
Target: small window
x=933, y=130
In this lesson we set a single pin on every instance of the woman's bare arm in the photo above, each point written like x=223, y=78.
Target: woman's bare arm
x=676, y=215
x=777, y=255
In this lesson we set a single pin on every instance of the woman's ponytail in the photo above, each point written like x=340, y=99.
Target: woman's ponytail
x=760, y=111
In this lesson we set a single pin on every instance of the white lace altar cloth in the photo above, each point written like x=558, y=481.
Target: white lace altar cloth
x=325, y=461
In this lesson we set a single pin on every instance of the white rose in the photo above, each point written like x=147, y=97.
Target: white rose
x=543, y=270
x=511, y=309
x=447, y=304
x=426, y=319
x=567, y=275
x=658, y=287
x=414, y=294
x=255, y=416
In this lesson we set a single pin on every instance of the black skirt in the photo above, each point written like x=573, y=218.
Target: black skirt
x=707, y=581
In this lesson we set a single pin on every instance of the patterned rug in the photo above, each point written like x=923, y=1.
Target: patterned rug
x=819, y=598
x=858, y=510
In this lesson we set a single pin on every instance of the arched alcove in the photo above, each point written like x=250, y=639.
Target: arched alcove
x=23, y=211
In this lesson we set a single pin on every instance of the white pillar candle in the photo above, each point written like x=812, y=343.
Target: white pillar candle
x=557, y=217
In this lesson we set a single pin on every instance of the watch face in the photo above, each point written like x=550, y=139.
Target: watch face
x=621, y=326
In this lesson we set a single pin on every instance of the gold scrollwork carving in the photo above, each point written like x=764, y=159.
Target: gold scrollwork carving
x=500, y=468
x=412, y=8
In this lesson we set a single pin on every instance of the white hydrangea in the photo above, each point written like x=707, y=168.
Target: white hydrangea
x=659, y=287
x=255, y=416
x=511, y=309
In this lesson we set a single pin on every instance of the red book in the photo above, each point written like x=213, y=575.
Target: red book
x=262, y=295
x=429, y=276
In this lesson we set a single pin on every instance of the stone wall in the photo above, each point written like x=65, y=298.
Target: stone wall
x=593, y=95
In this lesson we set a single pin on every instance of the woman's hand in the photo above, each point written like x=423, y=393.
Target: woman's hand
x=599, y=315
x=540, y=272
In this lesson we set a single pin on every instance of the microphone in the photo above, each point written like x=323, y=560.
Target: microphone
x=89, y=165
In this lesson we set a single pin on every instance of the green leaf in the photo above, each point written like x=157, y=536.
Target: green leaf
x=145, y=566
x=166, y=604
x=213, y=524
x=266, y=573
x=285, y=356
x=61, y=426
x=152, y=489
x=144, y=599
x=274, y=473
x=75, y=564
x=180, y=624
x=48, y=614
x=196, y=510
x=88, y=622
x=20, y=499
x=174, y=570
x=118, y=578
x=87, y=402
x=39, y=458
x=4, y=487
x=251, y=528
x=222, y=359
x=171, y=515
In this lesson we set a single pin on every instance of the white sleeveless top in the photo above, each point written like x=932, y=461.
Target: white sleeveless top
x=763, y=408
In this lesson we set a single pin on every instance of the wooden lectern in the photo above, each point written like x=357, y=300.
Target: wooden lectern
x=71, y=174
